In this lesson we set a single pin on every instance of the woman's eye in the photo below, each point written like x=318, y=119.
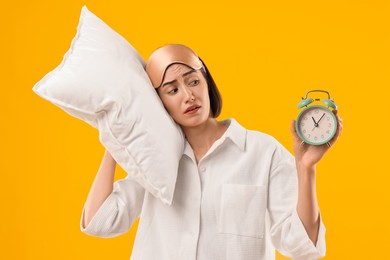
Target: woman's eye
x=195, y=82
x=173, y=91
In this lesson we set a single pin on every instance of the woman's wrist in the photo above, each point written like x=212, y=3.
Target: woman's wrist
x=305, y=169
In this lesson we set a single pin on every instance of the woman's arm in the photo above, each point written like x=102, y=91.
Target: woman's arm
x=102, y=186
x=307, y=206
x=306, y=158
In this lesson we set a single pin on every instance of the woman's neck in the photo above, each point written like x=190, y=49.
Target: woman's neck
x=202, y=137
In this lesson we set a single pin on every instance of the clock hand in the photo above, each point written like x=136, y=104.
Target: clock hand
x=320, y=119
x=315, y=124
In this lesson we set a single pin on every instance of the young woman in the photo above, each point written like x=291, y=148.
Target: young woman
x=239, y=193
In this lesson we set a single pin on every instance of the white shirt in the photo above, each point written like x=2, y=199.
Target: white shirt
x=239, y=202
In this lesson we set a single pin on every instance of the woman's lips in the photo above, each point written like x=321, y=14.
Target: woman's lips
x=192, y=111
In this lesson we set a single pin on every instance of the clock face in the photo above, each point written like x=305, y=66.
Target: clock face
x=316, y=125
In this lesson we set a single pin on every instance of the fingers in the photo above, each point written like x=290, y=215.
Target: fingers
x=339, y=129
x=339, y=122
x=339, y=125
x=292, y=126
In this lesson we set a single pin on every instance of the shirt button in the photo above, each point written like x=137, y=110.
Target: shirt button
x=192, y=233
x=202, y=169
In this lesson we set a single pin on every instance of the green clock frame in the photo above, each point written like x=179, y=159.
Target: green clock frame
x=310, y=108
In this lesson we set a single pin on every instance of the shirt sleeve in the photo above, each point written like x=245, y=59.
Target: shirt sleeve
x=118, y=212
x=287, y=232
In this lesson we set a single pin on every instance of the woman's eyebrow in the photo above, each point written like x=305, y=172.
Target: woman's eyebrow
x=183, y=75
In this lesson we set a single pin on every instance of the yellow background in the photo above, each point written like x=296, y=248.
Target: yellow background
x=264, y=56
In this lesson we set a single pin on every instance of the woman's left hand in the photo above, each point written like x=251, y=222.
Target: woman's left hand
x=307, y=155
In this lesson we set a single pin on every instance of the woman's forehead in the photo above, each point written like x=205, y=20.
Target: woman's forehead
x=175, y=71
x=177, y=68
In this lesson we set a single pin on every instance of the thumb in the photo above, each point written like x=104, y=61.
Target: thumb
x=293, y=131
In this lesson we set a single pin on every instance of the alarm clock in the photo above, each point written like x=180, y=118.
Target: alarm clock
x=316, y=124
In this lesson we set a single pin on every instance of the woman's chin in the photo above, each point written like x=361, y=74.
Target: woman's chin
x=189, y=122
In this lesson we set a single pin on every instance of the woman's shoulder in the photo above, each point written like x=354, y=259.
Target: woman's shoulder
x=258, y=138
x=257, y=135
x=260, y=141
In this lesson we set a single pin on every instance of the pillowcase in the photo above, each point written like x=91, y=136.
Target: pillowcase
x=102, y=81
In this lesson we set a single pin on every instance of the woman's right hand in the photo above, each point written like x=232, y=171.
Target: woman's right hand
x=101, y=187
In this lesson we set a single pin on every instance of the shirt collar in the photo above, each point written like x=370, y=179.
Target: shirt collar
x=235, y=132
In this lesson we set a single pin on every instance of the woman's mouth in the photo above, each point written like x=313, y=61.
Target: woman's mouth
x=192, y=109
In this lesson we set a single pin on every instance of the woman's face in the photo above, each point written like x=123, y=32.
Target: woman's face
x=183, y=88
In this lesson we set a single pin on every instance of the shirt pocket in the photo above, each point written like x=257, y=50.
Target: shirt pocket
x=242, y=210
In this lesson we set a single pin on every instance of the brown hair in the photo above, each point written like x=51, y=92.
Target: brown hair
x=215, y=96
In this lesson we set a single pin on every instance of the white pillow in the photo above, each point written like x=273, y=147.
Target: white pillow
x=102, y=81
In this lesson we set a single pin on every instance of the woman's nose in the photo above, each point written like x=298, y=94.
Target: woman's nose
x=188, y=94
